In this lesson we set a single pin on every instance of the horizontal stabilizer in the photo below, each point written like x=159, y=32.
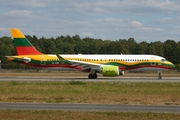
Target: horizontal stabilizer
x=25, y=59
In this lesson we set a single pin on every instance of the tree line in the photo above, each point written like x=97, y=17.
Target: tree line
x=169, y=49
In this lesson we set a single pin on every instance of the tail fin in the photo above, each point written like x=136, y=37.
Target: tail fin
x=22, y=44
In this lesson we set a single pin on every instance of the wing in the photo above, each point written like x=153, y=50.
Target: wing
x=82, y=64
x=85, y=65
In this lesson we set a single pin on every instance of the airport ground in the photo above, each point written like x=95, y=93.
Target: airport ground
x=149, y=93
x=75, y=74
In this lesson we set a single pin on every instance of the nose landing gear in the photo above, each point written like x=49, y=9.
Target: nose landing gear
x=159, y=75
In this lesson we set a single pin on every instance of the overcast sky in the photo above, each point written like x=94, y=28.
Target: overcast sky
x=143, y=20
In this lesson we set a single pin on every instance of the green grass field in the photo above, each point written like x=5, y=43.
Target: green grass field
x=88, y=92
x=80, y=115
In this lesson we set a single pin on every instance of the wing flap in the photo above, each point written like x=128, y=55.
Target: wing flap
x=85, y=65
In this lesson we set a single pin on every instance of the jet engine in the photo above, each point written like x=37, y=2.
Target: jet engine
x=111, y=71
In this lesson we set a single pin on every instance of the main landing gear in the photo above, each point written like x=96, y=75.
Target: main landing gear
x=92, y=75
x=159, y=75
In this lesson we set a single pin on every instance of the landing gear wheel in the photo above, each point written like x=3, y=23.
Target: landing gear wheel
x=159, y=77
x=92, y=76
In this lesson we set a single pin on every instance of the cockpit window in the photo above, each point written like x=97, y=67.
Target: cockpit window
x=163, y=60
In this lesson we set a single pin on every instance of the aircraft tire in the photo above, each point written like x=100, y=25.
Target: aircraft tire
x=159, y=77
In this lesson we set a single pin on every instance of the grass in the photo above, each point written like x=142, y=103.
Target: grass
x=90, y=92
x=80, y=115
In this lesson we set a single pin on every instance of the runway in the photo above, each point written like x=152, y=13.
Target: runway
x=90, y=107
x=84, y=79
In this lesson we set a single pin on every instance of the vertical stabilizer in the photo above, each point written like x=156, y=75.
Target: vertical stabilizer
x=22, y=44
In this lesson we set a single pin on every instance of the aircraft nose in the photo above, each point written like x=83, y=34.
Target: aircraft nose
x=173, y=66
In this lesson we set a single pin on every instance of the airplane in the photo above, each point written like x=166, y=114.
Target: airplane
x=107, y=65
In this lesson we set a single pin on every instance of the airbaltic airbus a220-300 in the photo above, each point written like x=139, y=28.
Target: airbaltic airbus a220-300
x=107, y=65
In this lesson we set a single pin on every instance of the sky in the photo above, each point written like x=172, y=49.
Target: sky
x=143, y=20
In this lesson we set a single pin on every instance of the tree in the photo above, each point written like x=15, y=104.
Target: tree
x=132, y=46
x=170, y=51
x=4, y=51
x=156, y=48
x=68, y=48
x=113, y=48
x=104, y=48
x=142, y=48
x=124, y=46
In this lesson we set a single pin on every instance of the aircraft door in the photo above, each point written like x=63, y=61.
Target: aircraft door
x=153, y=61
x=43, y=60
x=105, y=59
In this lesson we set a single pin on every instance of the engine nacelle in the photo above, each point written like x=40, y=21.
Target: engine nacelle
x=110, y=71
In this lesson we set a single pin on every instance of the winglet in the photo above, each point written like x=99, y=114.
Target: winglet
x=60, y=58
